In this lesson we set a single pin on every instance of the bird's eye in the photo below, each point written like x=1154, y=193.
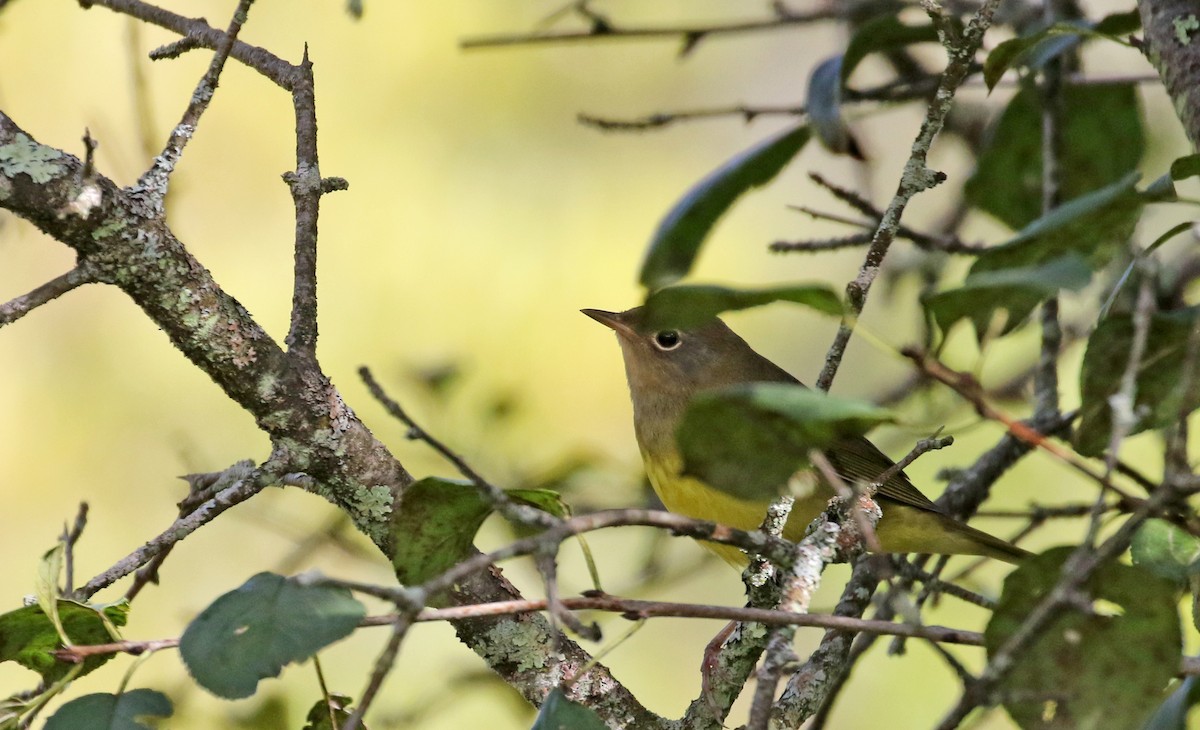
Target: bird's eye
x=667, y=340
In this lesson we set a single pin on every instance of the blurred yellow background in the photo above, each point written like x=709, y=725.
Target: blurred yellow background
x=480, y=217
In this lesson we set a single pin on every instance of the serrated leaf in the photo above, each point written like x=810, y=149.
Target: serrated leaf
x=560, y=713
x=1160, y=376
x=1083, y=671
x=690, y=305
x=1165, y=550
x=747, y=440
x=132, y=710
x=29, y=638
x=252, y=632
x=1016, y=291
x=1100, y=143
x=435, y=527
x=330, y=714
x=679, y=236
x=1093, y=226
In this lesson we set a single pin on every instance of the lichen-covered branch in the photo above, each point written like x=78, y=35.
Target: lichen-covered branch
x=1172, y=43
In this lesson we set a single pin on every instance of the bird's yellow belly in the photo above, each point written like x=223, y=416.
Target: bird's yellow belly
x=693, y=498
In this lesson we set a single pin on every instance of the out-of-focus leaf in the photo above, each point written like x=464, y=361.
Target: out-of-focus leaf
x=1094, y=226
x=691, y=305
x=679, y=236
x=1165, y=550
x=29, y=638
x=1172, y=714
x=1034, y=48
x=747, y=440
x=1082, y=672
x=1160, y=377
x=132, y=710
x=435, y=527
x=560, y=713
x=546, y=500
x=823, y=102
x=330, y=714
x=1101, y=142
x=270, y=621
x=880, y=35
x=1016, y=291
x=49, y=571
x=1185, y=167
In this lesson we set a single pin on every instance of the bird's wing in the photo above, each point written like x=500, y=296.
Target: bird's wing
x=857, y=460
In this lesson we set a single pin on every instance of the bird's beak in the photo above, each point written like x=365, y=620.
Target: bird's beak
x=612, y=320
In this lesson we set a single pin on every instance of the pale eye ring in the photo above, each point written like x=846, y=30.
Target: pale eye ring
x=667, y=340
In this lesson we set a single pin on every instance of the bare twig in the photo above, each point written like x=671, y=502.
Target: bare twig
x=689, y=34
x=916, y=177
x=14, y=309
x=383, y=665
x=69, y=538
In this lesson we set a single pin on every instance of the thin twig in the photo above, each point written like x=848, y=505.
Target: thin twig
x=383, y=665
x=69, y=538
x=916, y=177
x=16, y=308
x=690, y=34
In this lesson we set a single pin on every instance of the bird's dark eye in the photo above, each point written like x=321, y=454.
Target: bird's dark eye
x=667, y=340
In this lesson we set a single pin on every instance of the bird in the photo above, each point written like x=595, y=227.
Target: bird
x=666, y=367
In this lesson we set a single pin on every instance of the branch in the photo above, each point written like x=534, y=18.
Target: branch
x=916, y=177
x=14, y=309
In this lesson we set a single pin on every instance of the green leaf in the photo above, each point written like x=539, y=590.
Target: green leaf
x=1100, y=669
x=1016, y=291
x=880, y=35
x=1101, y=142
x=330, y=714
x=547, y=500
x=1160, y=376
x=1094, y=226
x=29, y=638
x=435, y=527
x=560, y=713
x=747, y=440
x=682, y=232
x=1034, y=48
x=251, y=632
x=1185, y=167
x=132, y=710
x=691, y=305
x=1118, y=24
x=1165, y=550
x=49, y=571
x=1172, y=714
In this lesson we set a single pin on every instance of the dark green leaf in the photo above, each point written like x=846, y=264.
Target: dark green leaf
x=1101, y=669
x=436, y=527
x=691, y=305
x=1094, y=226
x=28, y=637
x=560, y=713
x=823, y=102
x=268, y=622
x=677, y=241
x=132, y=710
x=747, y=440
x=330, y=714
x=1008, y=53
x=547, y=500
x=1165, y=550
x=1016, y=291
x=1172, y=714
x=1119, y=24
x=1160, y=377
x=1185, y=167
x=882, y=34
x=1101, y=142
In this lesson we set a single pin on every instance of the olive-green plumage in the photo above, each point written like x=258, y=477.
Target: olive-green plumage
x=666, y=368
